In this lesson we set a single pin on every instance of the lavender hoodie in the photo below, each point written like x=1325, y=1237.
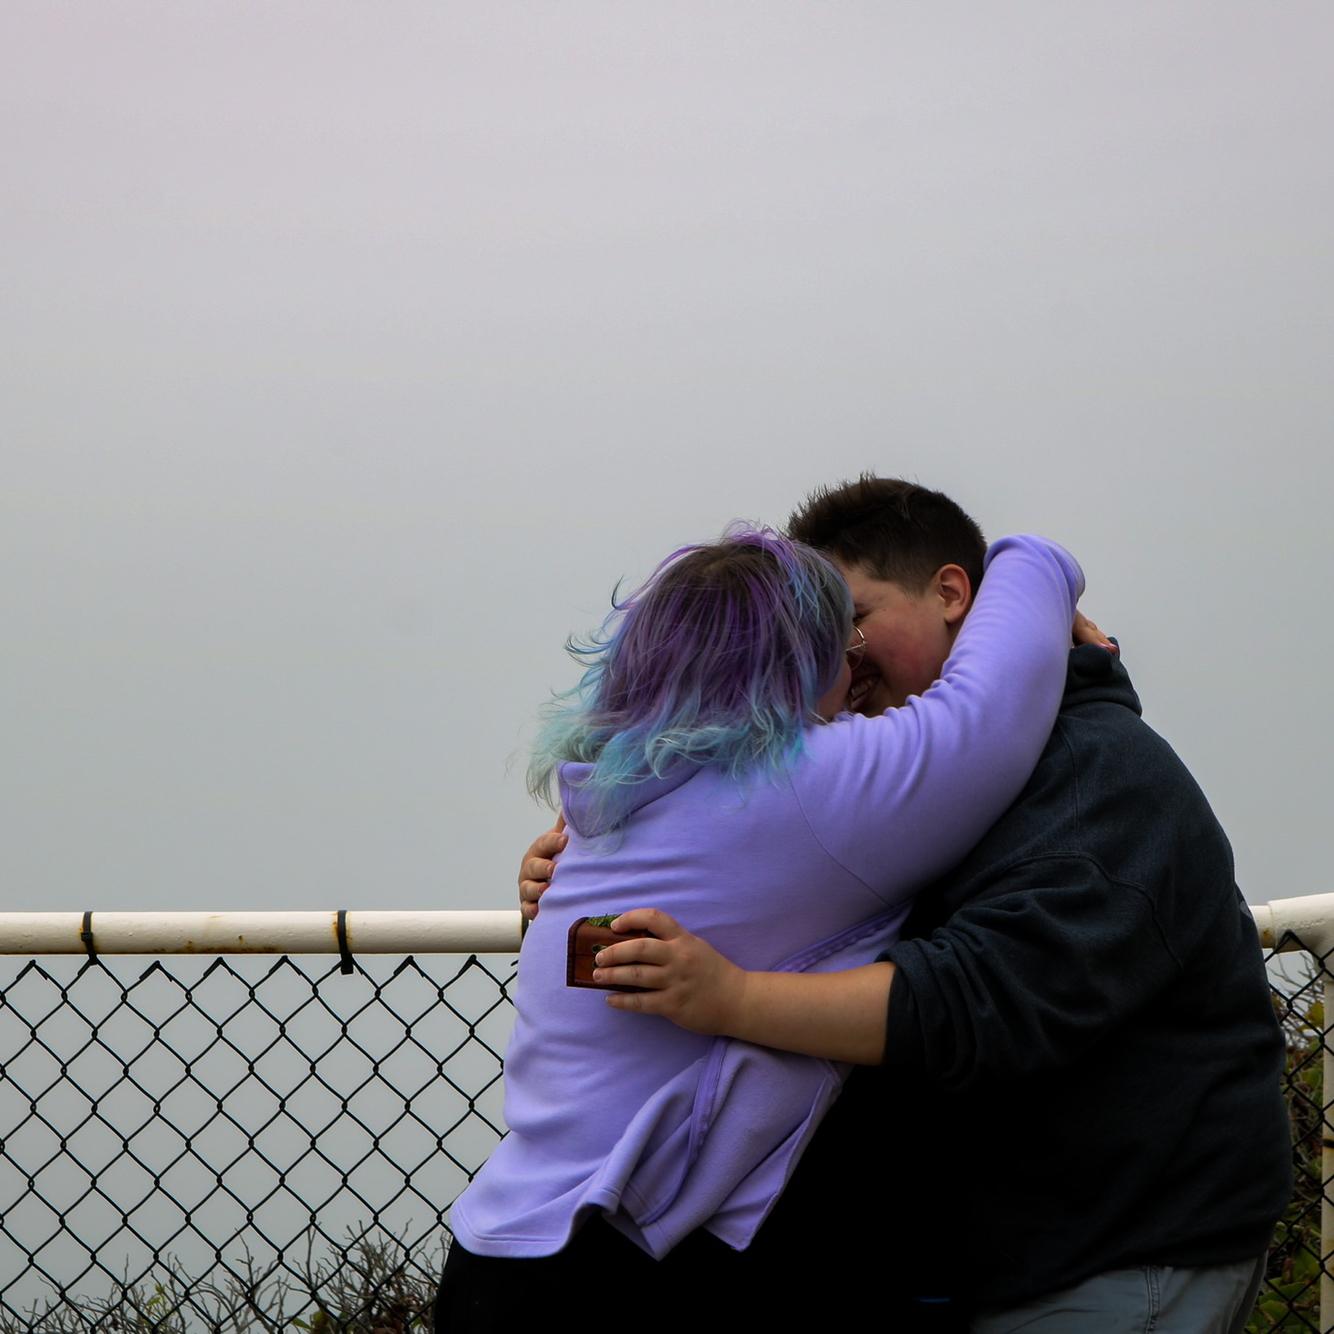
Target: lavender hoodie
x=666, y=1130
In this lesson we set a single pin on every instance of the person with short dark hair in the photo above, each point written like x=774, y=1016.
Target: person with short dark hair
x=892, y=529
x=1073, y=1034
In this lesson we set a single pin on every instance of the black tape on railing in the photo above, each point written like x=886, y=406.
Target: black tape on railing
x=346, y=964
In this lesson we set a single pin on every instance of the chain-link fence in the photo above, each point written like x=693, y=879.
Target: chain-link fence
x=238, y=1143
x=1291, y=1298
x=251, y=1144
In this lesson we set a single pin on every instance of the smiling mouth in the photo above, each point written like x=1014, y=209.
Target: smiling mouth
x=859, y=691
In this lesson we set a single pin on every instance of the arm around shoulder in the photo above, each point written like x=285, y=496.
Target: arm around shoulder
x=897, y=799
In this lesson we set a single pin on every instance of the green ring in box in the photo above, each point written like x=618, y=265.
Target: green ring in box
x=587, y=936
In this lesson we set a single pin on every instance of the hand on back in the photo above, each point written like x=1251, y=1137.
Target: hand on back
x=539, y=865
x=1085, y=632
x=684, y=979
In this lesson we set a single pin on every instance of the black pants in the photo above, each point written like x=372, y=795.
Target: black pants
x=864, y=1236
x=599, y=1278
x=786, y=1280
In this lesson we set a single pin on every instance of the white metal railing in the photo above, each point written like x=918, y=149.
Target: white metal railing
x=326, y=932
x=1303, y=923
x=1297, y=924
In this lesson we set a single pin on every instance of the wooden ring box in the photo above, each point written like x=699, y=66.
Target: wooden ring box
x=586, y=938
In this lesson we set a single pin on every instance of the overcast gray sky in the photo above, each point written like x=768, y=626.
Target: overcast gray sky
x=352, y=352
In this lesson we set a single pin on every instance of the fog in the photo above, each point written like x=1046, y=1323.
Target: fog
x=351, y=354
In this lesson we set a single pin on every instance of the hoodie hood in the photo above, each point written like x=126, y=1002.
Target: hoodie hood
x=590, y=814
x=1095, y=676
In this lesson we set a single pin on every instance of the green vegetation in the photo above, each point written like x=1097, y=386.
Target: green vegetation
x=373, y=1287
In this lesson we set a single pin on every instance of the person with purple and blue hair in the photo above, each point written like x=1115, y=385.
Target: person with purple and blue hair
x=721, y=659
x=705, y=761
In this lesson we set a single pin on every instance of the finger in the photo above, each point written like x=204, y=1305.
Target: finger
x=652, y=920
x=528, y=909
x=645, y=950
x=537, y=868
x=551, y=844
x=641, y=1002
x=532, y=890
x=544, y=847
x=632, y=975
x=1085, y=631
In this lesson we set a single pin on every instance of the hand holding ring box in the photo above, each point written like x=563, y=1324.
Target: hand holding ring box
x=587, y=936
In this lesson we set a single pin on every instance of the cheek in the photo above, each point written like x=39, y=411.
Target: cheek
x=904, y=651
x=884, y=655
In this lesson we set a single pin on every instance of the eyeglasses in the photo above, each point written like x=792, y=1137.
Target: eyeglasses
x=856, y=651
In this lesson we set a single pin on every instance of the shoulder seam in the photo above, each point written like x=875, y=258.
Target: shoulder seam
x=1133, y=886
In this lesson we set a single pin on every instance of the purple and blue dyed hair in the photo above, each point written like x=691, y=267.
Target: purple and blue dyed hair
x=718, y=659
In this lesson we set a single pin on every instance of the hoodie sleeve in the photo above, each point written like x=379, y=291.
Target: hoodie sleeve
x=898, y=799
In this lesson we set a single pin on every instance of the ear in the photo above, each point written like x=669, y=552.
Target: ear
x=953, y=587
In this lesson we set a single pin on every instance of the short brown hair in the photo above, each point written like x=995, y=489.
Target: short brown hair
x=897, y=530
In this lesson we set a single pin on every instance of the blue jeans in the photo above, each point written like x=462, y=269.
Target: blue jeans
x=1153, y=1299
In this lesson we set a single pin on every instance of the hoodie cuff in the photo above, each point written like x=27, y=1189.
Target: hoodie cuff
x=904, y=1046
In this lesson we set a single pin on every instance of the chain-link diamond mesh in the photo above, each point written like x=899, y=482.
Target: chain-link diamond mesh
x=1290, y=1298
x=250, y=1144
x=219, y=1143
